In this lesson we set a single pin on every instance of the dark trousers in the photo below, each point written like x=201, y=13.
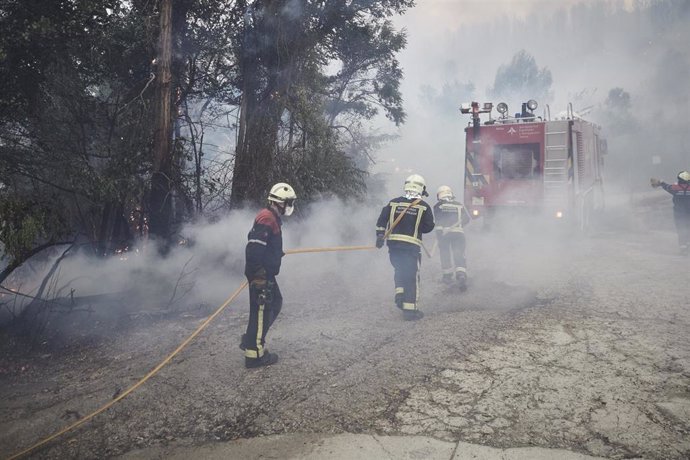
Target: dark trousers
x=451, y=247
x=406, y=264
x=264, y=307
x=683, y=227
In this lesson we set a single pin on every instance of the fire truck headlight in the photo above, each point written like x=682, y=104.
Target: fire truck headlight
x=502, y=107
x=475, y=213
x=559, y=214
x=532, y=104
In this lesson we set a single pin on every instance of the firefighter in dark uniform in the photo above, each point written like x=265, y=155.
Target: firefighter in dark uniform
x=451, y=216
x=405, y=240
x=681, y=207
x=263, y=256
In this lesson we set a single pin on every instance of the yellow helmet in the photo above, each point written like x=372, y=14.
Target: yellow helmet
x=415, y=184
x=283, y=194
x=444, y=193
x=684, y=177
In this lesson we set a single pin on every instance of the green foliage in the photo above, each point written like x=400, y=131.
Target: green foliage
x=75, y=136
x=23, y=225
x=76, y=111
x=285, y=50
x=320, y=168
x=447, y=100
x=618, y=99
x=617, y=113
x=522, y=79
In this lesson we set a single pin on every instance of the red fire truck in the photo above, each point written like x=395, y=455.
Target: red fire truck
x=532, y=164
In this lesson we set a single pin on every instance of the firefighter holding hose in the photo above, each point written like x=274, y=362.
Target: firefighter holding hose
x=263, y=256
x=402, y=222
x=681, y=207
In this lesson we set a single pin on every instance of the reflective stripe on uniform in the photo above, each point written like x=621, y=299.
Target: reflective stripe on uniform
x=461, y=270
x=257, y=241
x=416, y=225
x=405, y=238
x=419, y=277
x=399, y=290
x=457, y=226
x=409, y=306
x=259, y=352
x=405, y=207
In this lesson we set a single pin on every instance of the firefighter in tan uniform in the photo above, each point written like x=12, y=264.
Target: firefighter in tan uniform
x=262, y=263
x=405, y=240
x=451, y=217
x=681, y=207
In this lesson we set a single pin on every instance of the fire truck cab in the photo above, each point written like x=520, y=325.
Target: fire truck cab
x=533, y=165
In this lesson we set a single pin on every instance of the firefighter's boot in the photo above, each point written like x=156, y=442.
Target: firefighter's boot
x=266, y=360
x=399, y=300
x=412, y=315
x=243, y=345
x=462, y=280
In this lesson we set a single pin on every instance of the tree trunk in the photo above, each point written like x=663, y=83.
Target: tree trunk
x=260, y=109
x=254, y=156
x=161, y=180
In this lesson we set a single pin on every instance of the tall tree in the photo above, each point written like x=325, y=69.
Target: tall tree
x=522, y=79
x=284, y=49
x=161, y=177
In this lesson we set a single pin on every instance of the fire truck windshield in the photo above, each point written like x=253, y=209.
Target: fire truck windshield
x=516, y=161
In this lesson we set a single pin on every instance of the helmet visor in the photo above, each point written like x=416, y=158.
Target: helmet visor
x=289, y=207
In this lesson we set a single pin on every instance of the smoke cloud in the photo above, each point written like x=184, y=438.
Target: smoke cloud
x=590, y=47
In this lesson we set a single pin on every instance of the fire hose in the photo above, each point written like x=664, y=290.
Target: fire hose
x=193, y=335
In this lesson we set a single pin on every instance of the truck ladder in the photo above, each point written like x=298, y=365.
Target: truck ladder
x=556, y=164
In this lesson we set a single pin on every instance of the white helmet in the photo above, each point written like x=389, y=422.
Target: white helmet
x=283, y=194
x=684, y=177
x=444, y=193
x=415, y=184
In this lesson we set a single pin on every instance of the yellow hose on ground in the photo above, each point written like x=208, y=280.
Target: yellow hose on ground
x=184, y=344
x=153, y=372
x=168, y=358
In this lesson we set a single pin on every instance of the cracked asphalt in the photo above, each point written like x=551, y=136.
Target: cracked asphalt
x=563, y=342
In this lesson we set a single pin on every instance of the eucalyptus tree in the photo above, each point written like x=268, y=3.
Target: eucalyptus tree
x=522, y=79
x=292, y=106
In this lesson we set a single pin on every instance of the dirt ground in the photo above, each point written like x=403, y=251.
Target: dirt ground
x=564, y=342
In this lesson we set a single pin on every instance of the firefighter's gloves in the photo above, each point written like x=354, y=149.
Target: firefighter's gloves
x=264, y=289
x=380, y=238
x=655, y=182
